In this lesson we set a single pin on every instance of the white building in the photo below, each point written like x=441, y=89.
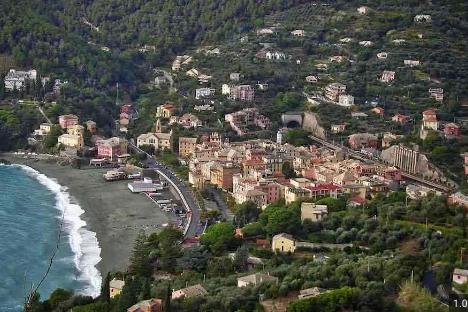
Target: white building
x=387, y=76
x=362, y=10
x=15, y=79
x=277, y=56
x=226, y=89
x=411, y=63
x=365, y=43
x=279, y=137
x=423, y=18
x=346, y=100
x=202, y=92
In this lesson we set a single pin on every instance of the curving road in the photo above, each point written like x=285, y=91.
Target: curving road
x=193, y=228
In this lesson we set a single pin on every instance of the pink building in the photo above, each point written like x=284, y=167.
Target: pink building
x=243, y=93
x=67, y=121
x=400, y=118
x=127, y=109
x=111, y=148
x=452, y=129
x=393, y=174
x=362, y=140
x=246, y=117
x=272, y=190
x=324, y=190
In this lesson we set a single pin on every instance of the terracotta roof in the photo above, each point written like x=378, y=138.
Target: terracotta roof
x=254, y=161
x=323, y=187
x=429, y=112
x=452, y=125
x=357, y=199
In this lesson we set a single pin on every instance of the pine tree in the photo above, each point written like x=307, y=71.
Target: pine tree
x=145, y=291
x=167, y=300
x=105, y=291
x=139, y=260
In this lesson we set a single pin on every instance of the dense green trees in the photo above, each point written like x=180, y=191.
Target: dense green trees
x=219, y=237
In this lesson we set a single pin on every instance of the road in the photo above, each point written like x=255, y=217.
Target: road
x=187, y=198
x=222, y=206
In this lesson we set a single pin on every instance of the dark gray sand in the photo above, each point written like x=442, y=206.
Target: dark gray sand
x=111, y=211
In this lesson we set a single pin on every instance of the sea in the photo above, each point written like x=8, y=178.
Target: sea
x=34, y=210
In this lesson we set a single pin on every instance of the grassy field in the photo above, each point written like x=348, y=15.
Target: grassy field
x=6, y=62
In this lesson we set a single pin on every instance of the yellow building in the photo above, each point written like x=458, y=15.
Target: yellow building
x=71, y=140
x=165, y=110
x=292, y=194
x=76, y=130
x=187, y=146
x=283, y=243
x=115, y=287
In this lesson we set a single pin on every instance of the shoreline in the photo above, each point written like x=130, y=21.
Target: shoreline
x=110, y=211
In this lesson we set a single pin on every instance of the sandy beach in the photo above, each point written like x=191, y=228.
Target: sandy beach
x=111, y=210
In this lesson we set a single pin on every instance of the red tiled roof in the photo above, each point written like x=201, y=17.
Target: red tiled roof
x=357, y=199
x=323, y=187
x=278, y=174
x=168, y=106
x=254, y=161
x=429, y=112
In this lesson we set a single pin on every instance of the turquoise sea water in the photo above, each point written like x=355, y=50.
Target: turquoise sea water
x=31, y=211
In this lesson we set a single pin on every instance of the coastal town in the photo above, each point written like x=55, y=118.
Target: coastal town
x=277, y=179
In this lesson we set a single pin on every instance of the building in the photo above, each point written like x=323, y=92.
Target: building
x=190, y=292
x=430, y=120
x=150, y=305
x=311, y=79
x=378, y=110
x=226, y=89
x=298, y=33
x=336, y=58
x=181, y=60
x=452, y=129
x=387, y=76
x=76, y=130
x=71, y=140
x=111, y=148
x=411, y=63
x=66, y=121
x=423, y=18
x=187, y=146
x=158, y=139
x=400, y=118
x=460, y=276
x=362, y=10
x=44, y=129
x=264, y=31
x=115, y=287
x=90, y=126
x=255, y=279
x=222, y=175
x=313, y=212
x=337, y=128
x=365, y=43
x=239, y=121
x=283, y=243
x=362, y=140
x=382, y=55
x=275, y=55
x=234, y=76
x=334, y=90
x=17, y=79
x=437, y=94
x=186, y=120
x=346, y=100
x=243, y=93
x=311, y=292
x=204, y=92
x=165, y=111
x=258, y=197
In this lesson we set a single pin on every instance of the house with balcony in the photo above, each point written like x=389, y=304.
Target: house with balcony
x=239, y=121
x=187, y=146
x=346, y=100
x=243, y=93
x=111, y=148
x=452, y=129
x=430, y=120
x=258, y=197
x=437, y=94
x=44, y=129
x=334, y=90
x=337, y=128
x=66, y=121
x=204, y=92
x=298, y=33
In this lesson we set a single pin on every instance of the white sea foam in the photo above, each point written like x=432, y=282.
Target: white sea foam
x=83, y=242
